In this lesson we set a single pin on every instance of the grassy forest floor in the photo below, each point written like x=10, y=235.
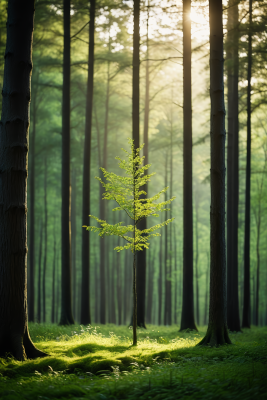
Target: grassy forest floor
x=98, y=362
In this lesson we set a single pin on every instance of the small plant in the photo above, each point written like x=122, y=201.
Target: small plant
x=131, y=198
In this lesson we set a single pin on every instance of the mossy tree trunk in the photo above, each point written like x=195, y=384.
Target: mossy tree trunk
x=217, y=333
x=14, y=141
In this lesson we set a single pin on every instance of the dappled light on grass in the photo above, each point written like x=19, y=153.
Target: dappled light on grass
x=98, y=362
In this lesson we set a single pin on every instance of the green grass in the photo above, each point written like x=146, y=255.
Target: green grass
x=98, y=362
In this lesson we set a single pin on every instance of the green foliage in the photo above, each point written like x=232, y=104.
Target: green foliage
x=97, y=362
x=127, y=191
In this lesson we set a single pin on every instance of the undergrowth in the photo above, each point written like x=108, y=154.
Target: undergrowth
x=98, y=362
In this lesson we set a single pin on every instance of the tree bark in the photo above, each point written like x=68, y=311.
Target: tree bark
x=246, y=302
x=217, y=333
x=85, y=298
x=233, y=320
x=187, y=319
x=45, y=240
x=14, y=140
x=66, y=295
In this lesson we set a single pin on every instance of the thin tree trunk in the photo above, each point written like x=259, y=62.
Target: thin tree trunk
x=217, y=333
x=196, y=261
x=102, y=205
x=176, y=278
x=14, y=138
x=140, y=260
x=85, y=298
x=149, y=288
x=233, y=320
x=160, y=281
x=39, y=309
x=54, y=276
x=45, y=240
x=73, y=242
x=142, y=255
x=126, y=293
x=246, y=303
x=66, y=295
x=31, y=300
x=187, y=319
x=112, y=289
x=96, y=291
x=166, y=258
x=119, y=299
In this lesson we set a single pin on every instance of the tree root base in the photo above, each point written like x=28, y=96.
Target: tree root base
x=215, y=337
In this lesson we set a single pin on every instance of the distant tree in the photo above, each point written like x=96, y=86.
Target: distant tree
x=66, y=298
x=187, y=318
x=14, y=137
x=217, y=333
x=128, y=194
x=85, y=299
x=246, y=301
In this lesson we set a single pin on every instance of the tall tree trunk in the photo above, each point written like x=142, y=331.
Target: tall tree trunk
x=166, y=254
x=150, y=287
x=176, y=277
x=160, y=282
x=39, y=309
x=187, y=319
x=85, y=298
x=45, y=240
x=233, y=320
x=73, y=242
x=66, y=298
x=31, y=300
x=112, y=284
x=140, y=257
x=14, y=140
x=217, y=332
x=196, y=261
x=102, y=205
x=119, y=299
x=58, y=294
x=96, y=291
x=125, y=292
x=246, y=302
x=54, y=276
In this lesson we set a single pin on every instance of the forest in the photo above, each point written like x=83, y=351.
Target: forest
x=133, y=161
